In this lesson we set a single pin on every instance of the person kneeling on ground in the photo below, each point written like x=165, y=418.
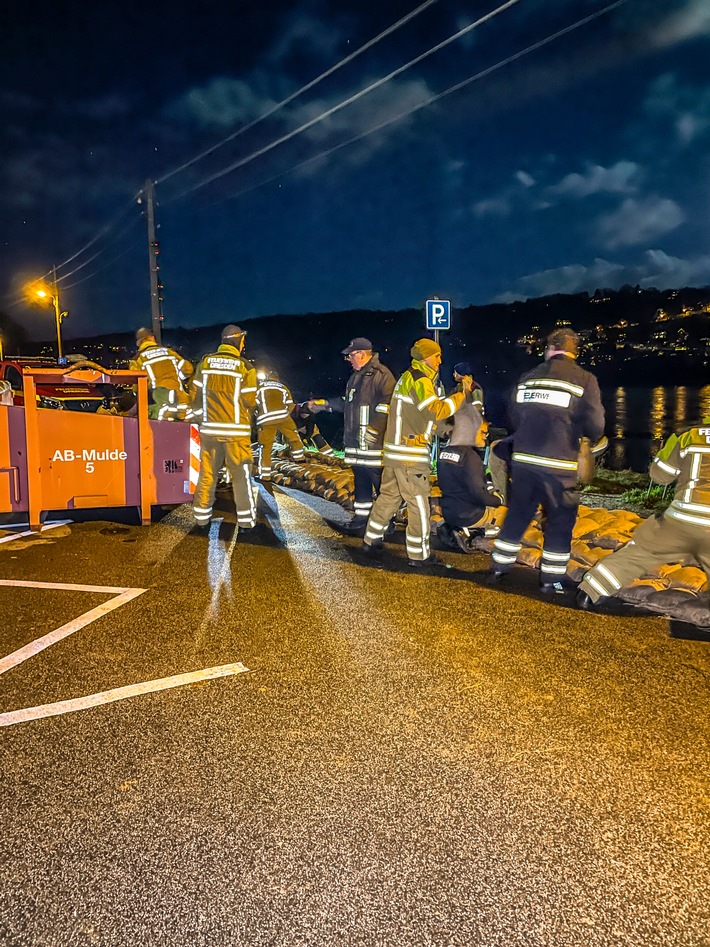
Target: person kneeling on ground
x=683, y=530
x=467, y=502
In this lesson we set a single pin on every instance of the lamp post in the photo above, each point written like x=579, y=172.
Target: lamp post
x=44, y=292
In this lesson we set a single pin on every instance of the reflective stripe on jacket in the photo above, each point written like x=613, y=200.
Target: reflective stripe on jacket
x=165, y=368
x=555, y=405
x=225, y=394
x=273, y=403
x=686, y=458
x=367, y=405
x=414, y=410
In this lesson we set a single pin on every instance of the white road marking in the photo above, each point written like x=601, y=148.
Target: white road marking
x=39, y=644
x=30, y=532
x=118, y=693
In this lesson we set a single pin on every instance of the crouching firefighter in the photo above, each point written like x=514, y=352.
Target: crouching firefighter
x=273, y=415
x=225, y=396
x=468, y=502
x=682, y=530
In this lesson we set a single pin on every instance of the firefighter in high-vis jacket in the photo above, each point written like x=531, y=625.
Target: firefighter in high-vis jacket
x=304, y=416
x=682, y=530
x=225, y=396
x=414, y=410
x=273, y=415
x=367, y=404
x=166, y=369
x=554, y=405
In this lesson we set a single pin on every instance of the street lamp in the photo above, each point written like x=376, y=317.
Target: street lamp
x=45, y=293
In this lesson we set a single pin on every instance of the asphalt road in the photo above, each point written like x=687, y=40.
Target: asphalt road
x=410, y=759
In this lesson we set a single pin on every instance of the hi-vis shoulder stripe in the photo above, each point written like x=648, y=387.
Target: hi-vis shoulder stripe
x=694, y=449
x=544, y=461
x=553, y=383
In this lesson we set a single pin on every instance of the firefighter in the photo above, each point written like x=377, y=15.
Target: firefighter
x=683, y=530
x=304, y=416
x=554, y=405
x=367, y=404
x=273, y=414
x=166, y=369
x=225, y=396
x=414, y=410
x=468, y=501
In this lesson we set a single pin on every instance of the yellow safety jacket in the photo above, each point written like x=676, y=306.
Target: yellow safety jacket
x=273, y=403
x=414, y=410
x=166, y=369
x=225, y=394
x=686, y=459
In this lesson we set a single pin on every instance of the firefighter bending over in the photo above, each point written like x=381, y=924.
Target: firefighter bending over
x=225, y=396
x=166, y=369
x=273, y=415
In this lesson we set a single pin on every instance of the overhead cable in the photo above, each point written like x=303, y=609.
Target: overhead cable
x=294, y=95
x=104, y=230
x=101, y=268
x=343, y=104
x=118, y=236
x=426, y=102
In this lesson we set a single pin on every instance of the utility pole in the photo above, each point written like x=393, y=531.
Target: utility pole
x=153, y=252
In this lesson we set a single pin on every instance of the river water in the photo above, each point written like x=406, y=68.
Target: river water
x=638, y=420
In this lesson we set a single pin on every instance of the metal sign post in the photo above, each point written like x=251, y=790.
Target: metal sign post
x=438, y=317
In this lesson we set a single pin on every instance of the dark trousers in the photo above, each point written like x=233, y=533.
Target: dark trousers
x=559, y=500
x=367, y=488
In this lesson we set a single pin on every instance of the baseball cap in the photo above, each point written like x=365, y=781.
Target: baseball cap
x=358, y=345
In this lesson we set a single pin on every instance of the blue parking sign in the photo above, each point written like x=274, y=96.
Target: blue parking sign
x=438, y=314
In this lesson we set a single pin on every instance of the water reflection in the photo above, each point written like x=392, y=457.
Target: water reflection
x=617, y=447
x=640, y=419
x=680, y=405
x=658, y=413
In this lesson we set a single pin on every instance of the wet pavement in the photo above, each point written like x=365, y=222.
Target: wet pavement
x=409, y=759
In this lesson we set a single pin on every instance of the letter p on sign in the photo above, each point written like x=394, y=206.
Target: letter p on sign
x=438, y=314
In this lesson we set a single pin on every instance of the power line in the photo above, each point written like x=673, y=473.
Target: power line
x=101, y=268
x=104, y=230
x=425, y=102
x=343, y=104
x=118, y=236
x=295, y=95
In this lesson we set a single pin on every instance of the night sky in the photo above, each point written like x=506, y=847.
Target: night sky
x=581, y=164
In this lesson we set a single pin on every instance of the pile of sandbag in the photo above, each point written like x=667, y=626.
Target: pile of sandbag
x=675, y=590
x=321, y=474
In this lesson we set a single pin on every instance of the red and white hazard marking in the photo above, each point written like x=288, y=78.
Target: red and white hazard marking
x=194, y=456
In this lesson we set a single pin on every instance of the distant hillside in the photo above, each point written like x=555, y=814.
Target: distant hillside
x=633, y=335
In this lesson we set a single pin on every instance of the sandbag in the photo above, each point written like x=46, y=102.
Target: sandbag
x=687, y=577
x=576, y=570
x=695, y=610
x=530, y=556
x=532, y=536
x=667, y=600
